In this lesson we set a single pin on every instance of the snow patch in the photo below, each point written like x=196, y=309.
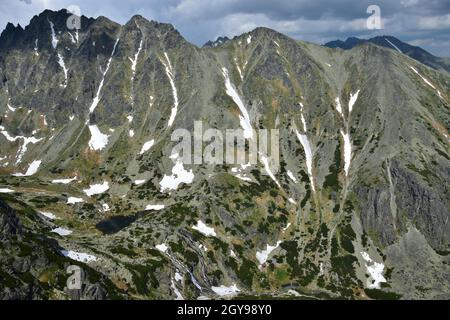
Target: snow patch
x=147, y=145
x=32, y=169
x=6, y=190
x=48, y=215
x=139, y=182
x=308, y=155
x=162, y=247
x=54, y=39
x=266, y=164
x=351, y=102
x=244, y=118
x=176, y=291
x=63, y=66
x=64, y=181
x=134, y=60
x=62, y=231
x=262, y=256
x=179, y=175
x=203, y=228
x=426, y=81
x=393, y=45
x=98, y=140
x=97, y=96
x=169, y=73
x=291, y=176
x=23, y=148
x=375, y=271
x=339, y=107
x=226, y=291
x=347, y=151
x=74, y=200
x=97, y=189
x=154, y=207
x=79, y=256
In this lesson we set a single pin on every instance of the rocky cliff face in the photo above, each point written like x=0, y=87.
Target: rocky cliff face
x=86, y=122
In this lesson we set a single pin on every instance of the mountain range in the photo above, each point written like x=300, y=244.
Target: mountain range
x=358, y=209
x=393, y=43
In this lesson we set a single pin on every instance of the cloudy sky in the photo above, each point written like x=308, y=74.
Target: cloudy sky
x=419, y=22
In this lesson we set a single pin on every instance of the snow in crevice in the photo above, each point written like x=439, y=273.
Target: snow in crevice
x=72, y=38
x=179, y=175
x=244, y=117
x=226, y=290
x=303, y=138
x=375, y=271
x=169, y=72
x=393, y=45
x=426, y=81
x=53, y=34
x=97, y=96
x=97, y=189
x=131, y=133
x=6, y=190
x=139, y=182
x=347, y=151
x=10, y=108
x=63, y=66
x=249, y=39
x=204, y=229
x=265, y=161
x=98, y=140
x=147, y=145
x=32, y=169
x=48, y=215
x=276, y=43
x=79, y=256
x=239, y=172
x=24, y=147
x=352, y=101
x=134, y=61
x=263, y=255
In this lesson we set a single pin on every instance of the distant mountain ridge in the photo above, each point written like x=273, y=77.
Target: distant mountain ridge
x=393, y=43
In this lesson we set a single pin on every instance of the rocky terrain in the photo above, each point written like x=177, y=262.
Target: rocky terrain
x=358, y=209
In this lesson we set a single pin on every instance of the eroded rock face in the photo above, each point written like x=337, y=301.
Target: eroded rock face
x=363, y=145
x=9, y=223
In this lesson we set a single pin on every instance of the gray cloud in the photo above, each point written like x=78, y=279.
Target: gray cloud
x=424, y=22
